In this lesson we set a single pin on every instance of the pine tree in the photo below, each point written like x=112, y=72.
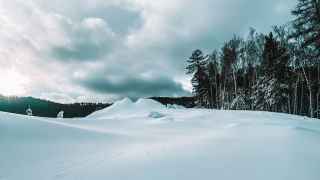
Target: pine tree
x=307, y=28
x=200, y=81
x=213, y=79
x=226, y=61
x=272, y=89
x=307, y=23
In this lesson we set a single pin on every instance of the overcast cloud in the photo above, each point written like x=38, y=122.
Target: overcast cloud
x=87, y=50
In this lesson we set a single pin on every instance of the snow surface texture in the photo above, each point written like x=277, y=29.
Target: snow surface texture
x=147, y=141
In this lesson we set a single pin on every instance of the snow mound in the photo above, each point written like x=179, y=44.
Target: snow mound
x=126, y=108
x=148, y=104
x=125, y=103
x=122, y=104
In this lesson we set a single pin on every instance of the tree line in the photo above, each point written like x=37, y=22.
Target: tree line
x=278, y=71
x=44, y=108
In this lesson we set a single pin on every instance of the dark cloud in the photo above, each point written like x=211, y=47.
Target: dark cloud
x=89, y=39
x=122, y=15
x=94, y=33
x=121, y=19
x=80, y=52
x=135, y=87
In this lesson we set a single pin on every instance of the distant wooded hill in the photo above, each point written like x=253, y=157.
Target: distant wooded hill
x=44, y=108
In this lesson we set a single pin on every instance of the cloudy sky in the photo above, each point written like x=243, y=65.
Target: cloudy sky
x=89, y=50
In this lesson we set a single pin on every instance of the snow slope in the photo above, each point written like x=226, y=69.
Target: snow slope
x=146, y=141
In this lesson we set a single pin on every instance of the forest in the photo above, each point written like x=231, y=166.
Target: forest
x=278, y=71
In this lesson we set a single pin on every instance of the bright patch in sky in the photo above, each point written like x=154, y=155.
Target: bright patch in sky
x=12, y=83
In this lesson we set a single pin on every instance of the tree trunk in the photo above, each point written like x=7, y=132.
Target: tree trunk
x=301, y=99
x=289, y=104
x=211, y=97
x=217, y=96
x=310, y=92
x=318, y=91
x=295, y=104
x=235, y=86
x=223, y=96
x=317, y=110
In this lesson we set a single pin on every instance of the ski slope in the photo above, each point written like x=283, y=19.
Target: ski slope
x=147, y=141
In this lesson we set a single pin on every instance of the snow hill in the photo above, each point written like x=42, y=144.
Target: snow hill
x=127, y=108
x=144, y=140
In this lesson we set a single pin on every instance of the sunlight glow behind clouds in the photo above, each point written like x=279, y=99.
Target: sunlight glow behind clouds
x=12, y=83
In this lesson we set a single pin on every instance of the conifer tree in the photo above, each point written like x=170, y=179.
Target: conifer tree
x=272, y=88
x=213, y=79
x=307, y=29
x=200, y=81
x=307, y=23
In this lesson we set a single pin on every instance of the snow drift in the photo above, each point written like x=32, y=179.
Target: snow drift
x=127, y=108
x=149, y=141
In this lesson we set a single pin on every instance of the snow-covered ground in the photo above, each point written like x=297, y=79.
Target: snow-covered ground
x=146, y=141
